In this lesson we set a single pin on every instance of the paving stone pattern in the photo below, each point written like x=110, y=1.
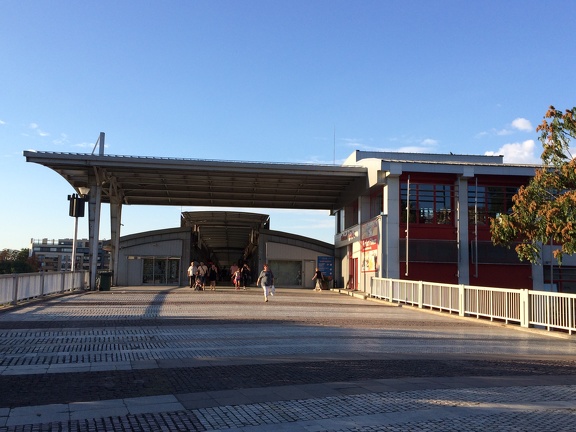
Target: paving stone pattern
x=175, y=359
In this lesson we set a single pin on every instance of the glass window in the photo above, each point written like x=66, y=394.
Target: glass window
x=351, y=215
x=287, y=273
x=160, y=271
x=429, y=203
x=489, y=201
x=564, y=278
x=376, y=203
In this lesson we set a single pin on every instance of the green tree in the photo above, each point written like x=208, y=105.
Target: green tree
x=13, y=261
x=544, y=211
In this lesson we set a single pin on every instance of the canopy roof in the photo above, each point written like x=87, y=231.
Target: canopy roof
x=136, y=180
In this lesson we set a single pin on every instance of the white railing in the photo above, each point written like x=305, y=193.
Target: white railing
x=528, y=308
x=18, y=287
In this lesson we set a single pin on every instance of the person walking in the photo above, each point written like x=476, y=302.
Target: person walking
x=237, y=278
x=212, y=276
x=192, y=273
x=319, y=278
x=266, y=280
x=246, y=277
x=203, y=269
x=233, y=269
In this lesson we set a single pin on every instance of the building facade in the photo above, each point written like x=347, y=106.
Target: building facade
x=56, y=255
x=162, y=257
x=427, y=217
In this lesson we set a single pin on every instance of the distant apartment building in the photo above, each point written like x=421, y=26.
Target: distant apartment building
x=56, y=255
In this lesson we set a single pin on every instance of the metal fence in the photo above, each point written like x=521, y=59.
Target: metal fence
x=18, y=287
x=553, y=311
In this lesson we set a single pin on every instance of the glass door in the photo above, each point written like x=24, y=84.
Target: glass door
x=161, y=271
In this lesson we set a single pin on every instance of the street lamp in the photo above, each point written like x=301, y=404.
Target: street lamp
x=76, y=210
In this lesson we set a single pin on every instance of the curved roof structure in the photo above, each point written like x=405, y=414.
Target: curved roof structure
x=227, y=235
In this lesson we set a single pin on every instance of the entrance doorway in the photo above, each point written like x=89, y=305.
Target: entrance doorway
x=161, y=271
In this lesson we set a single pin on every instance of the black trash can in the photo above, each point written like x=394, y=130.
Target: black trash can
x=104, y=280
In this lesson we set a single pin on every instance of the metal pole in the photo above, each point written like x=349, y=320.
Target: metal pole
x=73, y=265
x=407, y=221
x=101, y=141
x=476, y=227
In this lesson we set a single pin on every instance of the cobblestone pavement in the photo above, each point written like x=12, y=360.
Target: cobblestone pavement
x=175, y=359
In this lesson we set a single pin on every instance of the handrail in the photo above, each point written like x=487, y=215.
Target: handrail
x=18, y=287
x=528, y=308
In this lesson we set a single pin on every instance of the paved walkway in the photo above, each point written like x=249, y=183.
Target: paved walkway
x=175, y=359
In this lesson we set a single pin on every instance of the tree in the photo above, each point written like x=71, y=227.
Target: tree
x=13, y=261
x=544, y=211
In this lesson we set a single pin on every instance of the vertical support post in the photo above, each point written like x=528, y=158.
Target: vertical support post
x=94, y=208
x=74, y=241
x=407, y=231
x=524, y=308
x=15, y=280
x=391, y=210
x=462, y=300
x=462, y=241
x=420, y=294
x=101, y=140
x=115, y=225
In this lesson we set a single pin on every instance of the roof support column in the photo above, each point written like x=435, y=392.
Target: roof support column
x=115, y=224
x=94, y=208
x=462, y=230
x=391, y=228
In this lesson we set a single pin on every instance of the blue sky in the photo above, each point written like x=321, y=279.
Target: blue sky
x=263, y=80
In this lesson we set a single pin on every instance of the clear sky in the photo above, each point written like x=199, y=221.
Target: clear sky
x=297, y=81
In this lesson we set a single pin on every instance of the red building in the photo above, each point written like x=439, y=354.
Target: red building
x=427, y=217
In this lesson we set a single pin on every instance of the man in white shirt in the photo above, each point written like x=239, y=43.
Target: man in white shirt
x=192, y=273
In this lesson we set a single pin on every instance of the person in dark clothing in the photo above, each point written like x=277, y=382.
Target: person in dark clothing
x=246, y=276
x=319, y=278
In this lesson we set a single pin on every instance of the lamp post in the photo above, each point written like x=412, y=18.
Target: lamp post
x=76, y=210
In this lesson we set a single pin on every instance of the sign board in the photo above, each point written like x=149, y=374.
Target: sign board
x=326, y=265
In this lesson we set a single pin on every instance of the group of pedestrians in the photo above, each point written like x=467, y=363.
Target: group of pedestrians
x=199, y=274
x=240, y=276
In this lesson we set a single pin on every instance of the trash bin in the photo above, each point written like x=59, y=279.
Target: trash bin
x=104, y=281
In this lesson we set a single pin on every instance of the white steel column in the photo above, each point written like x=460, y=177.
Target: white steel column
x=391, y=228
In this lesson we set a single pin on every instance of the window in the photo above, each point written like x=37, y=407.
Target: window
x=351, y=215
x=160, y=271
x=564, y=278
x=490, y=202
x=339, y=221
x=376, y=203
x=429, y=203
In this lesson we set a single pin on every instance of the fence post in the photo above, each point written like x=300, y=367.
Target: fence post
x=461, y=300
x=524, y=308
x=63, y=280
x=15, y=289
x=420, y=294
